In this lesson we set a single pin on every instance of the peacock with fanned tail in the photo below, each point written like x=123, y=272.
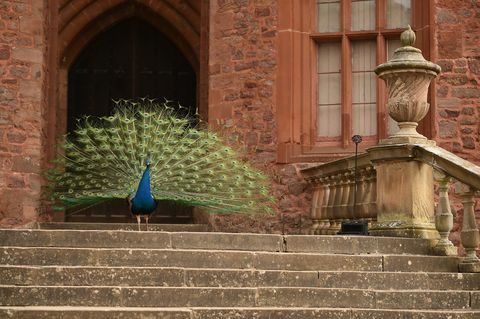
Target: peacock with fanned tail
x=145, y=152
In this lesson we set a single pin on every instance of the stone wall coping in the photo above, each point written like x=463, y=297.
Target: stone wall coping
x=439, y=158
x=337, y=166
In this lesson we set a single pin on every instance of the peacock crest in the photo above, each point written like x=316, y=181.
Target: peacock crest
x=105, y=157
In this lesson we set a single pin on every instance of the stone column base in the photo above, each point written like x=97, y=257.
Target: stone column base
x=402, y=229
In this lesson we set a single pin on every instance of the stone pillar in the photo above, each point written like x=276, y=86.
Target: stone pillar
x=405, y=195
x=405, y=199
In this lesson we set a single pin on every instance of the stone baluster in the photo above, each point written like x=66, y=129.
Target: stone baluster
x=336, y=220
x=370, y=203
x=343, y=211
x=315, y=211
x=443, y=217
x=469, y=235
x=331, y=200
x=361, y=184
x=351, y=194
x=324, y=222
x=332, y=208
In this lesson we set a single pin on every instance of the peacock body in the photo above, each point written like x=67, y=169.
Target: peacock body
x=145, y=152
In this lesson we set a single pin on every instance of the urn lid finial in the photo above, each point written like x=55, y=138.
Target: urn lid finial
x=408, y=37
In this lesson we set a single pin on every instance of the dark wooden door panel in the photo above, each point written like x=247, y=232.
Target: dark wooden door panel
x=130, y=60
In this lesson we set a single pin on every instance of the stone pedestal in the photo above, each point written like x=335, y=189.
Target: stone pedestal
x=405, y=201
x=405, y=197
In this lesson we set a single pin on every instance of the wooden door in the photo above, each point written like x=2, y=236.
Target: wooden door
x=130, y=60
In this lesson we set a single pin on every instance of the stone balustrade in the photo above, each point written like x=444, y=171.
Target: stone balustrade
x=339, y=196
x=334, y=189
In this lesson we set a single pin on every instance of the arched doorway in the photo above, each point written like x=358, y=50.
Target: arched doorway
x=130, y=60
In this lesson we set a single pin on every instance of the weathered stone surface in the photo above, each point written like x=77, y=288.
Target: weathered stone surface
x=231, y=297
x=195, y=277
x=422, y=299
x=298, y=261
x=227, y=241
x=127, y=297
x=93, y=313
x=421, y=263
x=114, y=226
x=399, y=280
x=409, y=314
x=249, y=278
x=92, y=276
x=313, y=297
x=126, y=257
x=243, y=313
x=85, y=238
x=357, y=245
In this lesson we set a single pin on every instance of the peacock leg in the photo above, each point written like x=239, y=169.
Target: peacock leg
x=146, y=220
x=138, y=222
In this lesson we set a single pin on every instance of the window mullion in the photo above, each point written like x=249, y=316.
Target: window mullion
x=346, y=91
x=382, y=115
x=346, y=15
x=346, y=74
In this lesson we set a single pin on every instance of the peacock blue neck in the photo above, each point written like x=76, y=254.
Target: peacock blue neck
x=143, y=202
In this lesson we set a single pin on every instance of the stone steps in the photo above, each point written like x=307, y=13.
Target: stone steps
x=105, y=296
x=125, y=226
x=116, y=273
x=58, y=312
x=188, y=258
x=350, y=245
x=205, y=277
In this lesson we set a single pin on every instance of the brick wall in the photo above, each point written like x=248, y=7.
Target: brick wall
x=243, y=71
x=22, y=75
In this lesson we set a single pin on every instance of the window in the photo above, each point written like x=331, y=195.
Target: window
x=339, y=43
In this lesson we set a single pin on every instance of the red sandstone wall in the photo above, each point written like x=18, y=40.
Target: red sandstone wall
x=458, y=90
x=243, y=71
x=22, y=76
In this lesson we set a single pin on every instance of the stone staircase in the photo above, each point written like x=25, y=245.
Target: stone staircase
x=177, y=273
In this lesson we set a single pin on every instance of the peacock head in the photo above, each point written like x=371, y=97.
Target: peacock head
x=148, y=162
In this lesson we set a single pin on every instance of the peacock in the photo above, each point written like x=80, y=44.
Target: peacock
x=145, y=152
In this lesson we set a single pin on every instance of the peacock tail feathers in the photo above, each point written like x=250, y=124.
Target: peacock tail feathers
x=105, y=157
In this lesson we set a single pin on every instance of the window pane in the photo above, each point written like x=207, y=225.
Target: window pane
x=399, y=13
x=392, y=45
x=364, y=90
x=363, y=15
x=328, y=15
x=329, y=90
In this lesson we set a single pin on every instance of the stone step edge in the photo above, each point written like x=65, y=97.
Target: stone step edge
x=189, y=309
x=241, y=241
x=243, y=288
x=249, y=270
x=106, y=226
x=243, y=278
x=214, y=312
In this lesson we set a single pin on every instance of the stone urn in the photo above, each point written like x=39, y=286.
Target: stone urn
x=407, y=76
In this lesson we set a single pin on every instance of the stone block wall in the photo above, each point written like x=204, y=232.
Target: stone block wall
x=458, y=87
x=242, y=100
x=242, y=73
x=22, y=75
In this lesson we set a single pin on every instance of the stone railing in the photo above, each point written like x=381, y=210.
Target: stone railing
x=339, y=195
x=395, y=193
x=450, y=168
